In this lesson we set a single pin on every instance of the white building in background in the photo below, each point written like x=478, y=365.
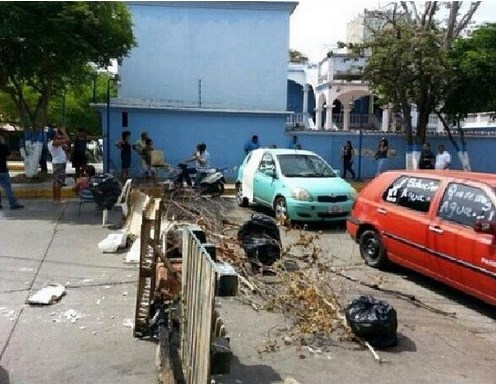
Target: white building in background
x=361, y=28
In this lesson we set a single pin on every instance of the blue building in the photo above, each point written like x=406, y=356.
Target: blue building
x=203, y=71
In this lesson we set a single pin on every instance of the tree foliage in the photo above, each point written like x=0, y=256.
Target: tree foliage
x=410, y=63
x=46, y=47
x=472, y=87
x=71, y=109
x=297, y=57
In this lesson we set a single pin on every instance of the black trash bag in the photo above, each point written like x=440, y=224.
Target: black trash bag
x=105, y=189
x=260, y=239
x=374, y=321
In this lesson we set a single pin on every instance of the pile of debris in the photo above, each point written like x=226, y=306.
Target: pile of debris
x=293, y=279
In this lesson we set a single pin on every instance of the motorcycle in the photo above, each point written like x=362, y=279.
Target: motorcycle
x=211, y=182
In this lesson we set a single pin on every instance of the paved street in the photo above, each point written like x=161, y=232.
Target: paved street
x=432, y=348
x=44, y=244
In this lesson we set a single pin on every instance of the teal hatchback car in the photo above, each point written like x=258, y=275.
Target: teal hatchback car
x=298, y=185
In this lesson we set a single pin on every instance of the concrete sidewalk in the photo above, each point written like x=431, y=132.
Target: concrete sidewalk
x=86, y=337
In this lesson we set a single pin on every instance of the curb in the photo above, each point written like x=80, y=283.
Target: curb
x=40, y=193
x=31, y=192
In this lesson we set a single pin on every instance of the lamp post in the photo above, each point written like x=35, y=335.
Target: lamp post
x=95, y=77
x=107, y=138
x=360, y=139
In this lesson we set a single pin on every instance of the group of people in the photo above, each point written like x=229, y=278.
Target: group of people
x=427, y=159
x=144, y=148
x=253, y=143
x=58, y=145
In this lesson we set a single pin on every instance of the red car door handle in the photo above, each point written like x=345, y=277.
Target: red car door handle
x=435, y=229
x=381, y=210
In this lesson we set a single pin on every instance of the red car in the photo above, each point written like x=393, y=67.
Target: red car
x=439, y=223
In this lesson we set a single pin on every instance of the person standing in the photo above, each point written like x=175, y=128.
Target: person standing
x=125, y=147
x=79, y=159
x=44, y=152
x=347, y=160
x=443, y=158
x=5, y=177
x=57, y=147
x=427, y=158
x=252, y=144
x=294, y=144
x=140, y=144
x=381, y=155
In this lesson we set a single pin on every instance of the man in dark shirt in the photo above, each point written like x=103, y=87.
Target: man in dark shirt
x=427, y=158
x=4, y=176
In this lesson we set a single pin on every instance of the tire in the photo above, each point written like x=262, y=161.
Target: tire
x=217, y=189
x=281, y=211
x=372, y=249
x=242, y=201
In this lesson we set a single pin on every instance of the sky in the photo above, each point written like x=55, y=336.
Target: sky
x=315, y=23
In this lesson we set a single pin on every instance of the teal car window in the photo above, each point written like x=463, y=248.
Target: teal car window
x=267, y=163
x=293, y=165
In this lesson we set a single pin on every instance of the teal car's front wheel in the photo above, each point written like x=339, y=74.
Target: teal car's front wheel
x=281, y=211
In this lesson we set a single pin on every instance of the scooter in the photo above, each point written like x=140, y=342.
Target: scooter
x=211, y=183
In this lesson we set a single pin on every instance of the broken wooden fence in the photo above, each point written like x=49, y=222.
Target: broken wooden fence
x=204, y=344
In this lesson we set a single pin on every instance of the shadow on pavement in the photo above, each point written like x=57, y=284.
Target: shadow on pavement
x=405, y=344
x=4, y=376
x=444, y=290
x=66, y=213
x=246, y=374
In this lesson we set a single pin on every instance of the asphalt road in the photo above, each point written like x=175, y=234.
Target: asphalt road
x=433, y=347
x=45, y=243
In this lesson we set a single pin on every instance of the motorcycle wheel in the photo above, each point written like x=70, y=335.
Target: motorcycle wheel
x=217, y=189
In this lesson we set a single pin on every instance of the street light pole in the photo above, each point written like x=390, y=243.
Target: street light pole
x=107, y=139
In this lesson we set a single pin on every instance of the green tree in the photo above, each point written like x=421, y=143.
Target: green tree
x=71, y=109
x=297, y=57
x=409, y=62
x=472, y=87
x=46, y=47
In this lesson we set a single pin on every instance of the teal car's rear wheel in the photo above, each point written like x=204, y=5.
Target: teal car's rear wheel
x=242, y=201
x=281, y=211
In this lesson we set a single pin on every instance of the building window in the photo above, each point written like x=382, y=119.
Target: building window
x=124, y=119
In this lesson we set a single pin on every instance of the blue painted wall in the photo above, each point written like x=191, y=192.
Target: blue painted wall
x=329, y=146
x=238, y=50
x=178, y=132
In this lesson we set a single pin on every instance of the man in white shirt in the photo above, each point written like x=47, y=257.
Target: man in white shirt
x=443, y=158
x=56, y=147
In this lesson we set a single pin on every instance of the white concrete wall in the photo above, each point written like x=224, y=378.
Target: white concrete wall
x=238, y=50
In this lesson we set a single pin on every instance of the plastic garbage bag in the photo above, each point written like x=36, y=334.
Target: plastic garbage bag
x=260, y=239
x=106, y=189
x=373, y=320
